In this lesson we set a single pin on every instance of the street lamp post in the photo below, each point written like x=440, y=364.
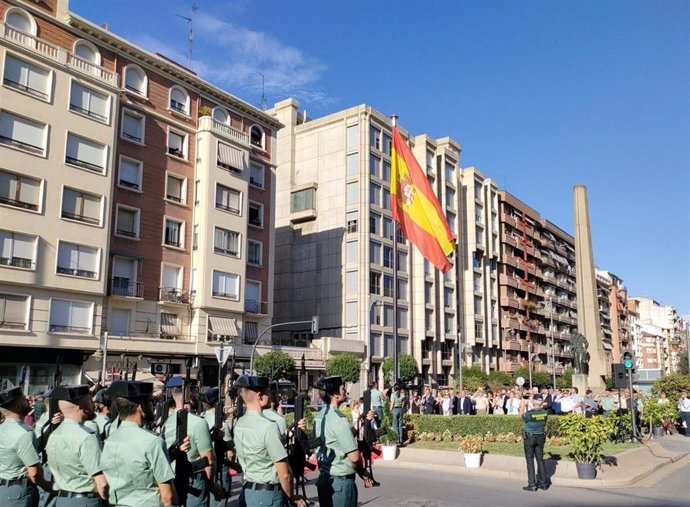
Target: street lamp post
x=314, y=322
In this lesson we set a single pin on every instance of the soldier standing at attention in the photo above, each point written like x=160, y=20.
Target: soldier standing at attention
x=338, y=455
x=260, y=450
x=209, y=398
x=20, y=466
x=134, y=460
x=98, y=424
x=534, y=439
x=270, y=411
x=74, y=451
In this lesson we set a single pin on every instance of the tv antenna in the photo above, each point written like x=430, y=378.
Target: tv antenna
x=263, y=95
x=190, y=36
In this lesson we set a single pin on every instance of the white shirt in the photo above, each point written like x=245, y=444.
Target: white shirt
x=566, y=404
x=684, y=405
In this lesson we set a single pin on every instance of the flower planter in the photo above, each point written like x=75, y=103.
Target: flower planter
x=389, y=452
x=473, y=459
x=586, y=471
x=658, y=431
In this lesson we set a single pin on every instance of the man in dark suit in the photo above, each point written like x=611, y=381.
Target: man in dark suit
x=547, y=395
x=463, y=404
x=428, y=402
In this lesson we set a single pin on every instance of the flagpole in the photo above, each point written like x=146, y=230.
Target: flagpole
x=396, y=366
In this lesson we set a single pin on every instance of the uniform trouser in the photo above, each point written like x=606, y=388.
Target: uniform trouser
x=398, y=422
x=198, y=492
x=263, y=498
x=22, y=494
x=93, y=501
x=226, y=482
x=336, y=491
x=46, y=498
x=534, y=448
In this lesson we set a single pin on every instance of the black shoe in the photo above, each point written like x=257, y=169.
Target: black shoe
x=544, y=486
x=530, y=488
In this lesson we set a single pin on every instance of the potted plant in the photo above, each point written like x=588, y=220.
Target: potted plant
x=586, y=436
x=472, y=446
x=659, y=415
x=389, y=447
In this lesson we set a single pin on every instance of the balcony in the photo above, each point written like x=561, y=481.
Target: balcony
x=222, y=130
x=9, y=141
x=126, y=288
x=81, y=273
x=174, y=295
x=81, y=218
x=36, y=45
x=18, y=204
x=17, y=262
x=258, y=307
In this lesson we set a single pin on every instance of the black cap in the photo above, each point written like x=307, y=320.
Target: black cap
x=251, y=382
x=210, y=395
x=102, y=398
x=9, y=395
x=132, y=390
x=70, y=393
x=329, y=384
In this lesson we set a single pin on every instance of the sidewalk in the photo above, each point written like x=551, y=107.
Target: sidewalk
x=643, y=466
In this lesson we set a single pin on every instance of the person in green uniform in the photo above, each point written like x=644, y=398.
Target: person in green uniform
x=397, y=411
x=270, y=411
x=20, y=466
x=47, y=498
x=338, y=455
x=135, y=460
x=534, y=438
x=260, y=450
x=74, y=452
x=377, y=402
x=98, y=424
x=209, y=398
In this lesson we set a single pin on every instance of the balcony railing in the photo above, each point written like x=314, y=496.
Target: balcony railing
x=58, y=328
x=81, y=218
x=27, y=89
x=126, y=287
x=82, y=273
x=17, y=262
x=84, y=164
x=227, y=208
x=208, y=123
x=18, y=204
x=173, y=295
x=8, y=141
x=252, y=306
x=88, y=112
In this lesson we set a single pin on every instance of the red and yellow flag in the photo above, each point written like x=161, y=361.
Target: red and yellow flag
x=416, y=208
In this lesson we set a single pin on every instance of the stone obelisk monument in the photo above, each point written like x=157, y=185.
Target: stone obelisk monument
x=588, y=321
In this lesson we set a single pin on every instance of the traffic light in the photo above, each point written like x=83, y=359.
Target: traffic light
x=628, y=360
x=619, y=376
x=315, y=324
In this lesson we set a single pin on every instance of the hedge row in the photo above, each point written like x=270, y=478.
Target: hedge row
x=476, y=424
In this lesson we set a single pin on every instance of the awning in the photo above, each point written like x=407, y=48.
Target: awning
x=223, y=326
x=251, y=332
x=170, y=324
x=118, y=253
x=231, y=157
x=607, y=346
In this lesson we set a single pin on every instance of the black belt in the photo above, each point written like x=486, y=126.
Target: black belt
x=13, y=482
x=341, y=477
x=70, y=494
x=260, y=487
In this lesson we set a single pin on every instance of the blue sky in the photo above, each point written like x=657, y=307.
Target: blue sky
x=542, y=95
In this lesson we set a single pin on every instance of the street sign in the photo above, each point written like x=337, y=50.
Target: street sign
x=222, y=354
x=520, y=381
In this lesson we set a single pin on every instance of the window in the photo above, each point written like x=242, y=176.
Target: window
x=477, y=190
x=70, y=316
x=375, y=338
x=375, y=194
x=352, y=252
x=374, y=223
x=135, y=80
x=226, y=285
x=119, y=322
x=221, y=116
x=352, y=282
x=388, y=286
x=179, y=100
x=13, y=311
x=226, y=242
x=387, y=228
x=256, y=214
x=374, y=282
x=78, y=260
x=228, y=199
x=231, y=158
x=170, y=324
x=257, y=137
x=174, y=233
x=124, y=282
x=255, y=252
x=353, y=136
x=256, y=174
x=374, y=165
x=385, y=198
x=375, y=137
x=402, y=288
x=353, y=192
x=430, y=161
x=386, y=172
x=477, y=282
x=352, y=217
x=87, y=52
x=352, y=164
x=450, y=176
x=85, y=153
x=387, y=257
x=20, y=20
x=252, y=296
x=22, y=133
x=478, y=306
x=78, y=205
x=375, y=252
x=402, y=318
x=26, y=77
x=177, y=144
x=17, y=250
x=195, y=237
x=402, y=261
x=89, y=102
x=450, y=198
x=302, y=200
x=479, y=235
x=127, y=222
x=388, y=345
x=176, y=188
x=387, y=144
x=172, y=277
x=130, y=173
x=132, y=126
x=447, y=297
x=448, y=323
x=19, y=191
x=388, y=315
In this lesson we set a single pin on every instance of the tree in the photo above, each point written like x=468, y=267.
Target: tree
x=568, y=377
x=275, y=364
x=498, y=380
x=407, y=365
x=683, y=362
x=539, y=378
x=672, y=385
x=473, y=378
x=344, y=365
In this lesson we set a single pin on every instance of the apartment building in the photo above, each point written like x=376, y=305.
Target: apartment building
x=604, y=287
x=335, y=242
x=537, y=300
x=479, y=258
x=662, y=325
x=139, y=202
x=614, y=314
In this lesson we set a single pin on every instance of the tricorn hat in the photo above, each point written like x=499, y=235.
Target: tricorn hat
x=251, y=382
x=70, y=393
x=329, y=384
x=210, y=395
x=132, y=390
x=9, y=395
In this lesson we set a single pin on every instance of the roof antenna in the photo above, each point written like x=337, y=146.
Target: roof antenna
x=190, y=36
x=263, y=95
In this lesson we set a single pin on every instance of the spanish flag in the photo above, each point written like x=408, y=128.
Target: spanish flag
x=416, y=208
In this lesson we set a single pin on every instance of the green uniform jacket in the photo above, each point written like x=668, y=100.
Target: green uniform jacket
x=17, y=449
x=197, y=429
x=74, y=457
x=259, y=446
x=337, y=441
x=135, y=462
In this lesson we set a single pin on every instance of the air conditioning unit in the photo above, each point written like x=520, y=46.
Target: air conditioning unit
x=159, y=368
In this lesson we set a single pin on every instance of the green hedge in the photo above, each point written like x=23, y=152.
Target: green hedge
x=476, y=424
